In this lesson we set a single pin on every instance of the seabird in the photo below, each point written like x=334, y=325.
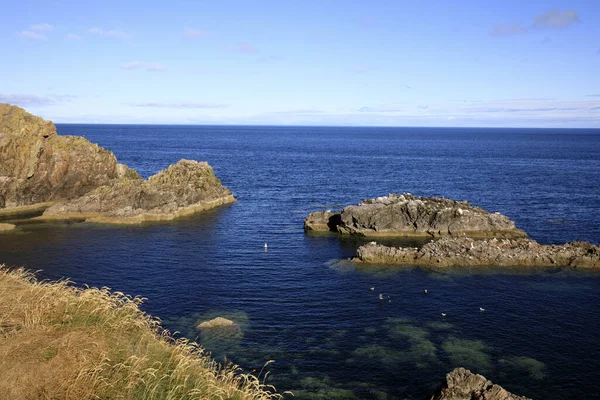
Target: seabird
x=481, y=309
x=380, y=296
x=371, y=289
x=425, y=291
x=443, y=314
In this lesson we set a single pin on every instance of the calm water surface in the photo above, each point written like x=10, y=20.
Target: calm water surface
x=301, y=305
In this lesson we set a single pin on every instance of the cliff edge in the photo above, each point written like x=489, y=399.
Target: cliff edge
x=70, y=177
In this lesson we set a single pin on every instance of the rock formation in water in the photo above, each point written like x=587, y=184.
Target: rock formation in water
x=462, y=384
x=408, y=215
x=6, y=227
x=78, y=179
x=466, y=252
x=218, y=322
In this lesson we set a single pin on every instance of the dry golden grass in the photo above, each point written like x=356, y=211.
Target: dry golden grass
x=62, y=342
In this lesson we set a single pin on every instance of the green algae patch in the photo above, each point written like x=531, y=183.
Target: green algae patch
x=468, y=353
x=534, y=368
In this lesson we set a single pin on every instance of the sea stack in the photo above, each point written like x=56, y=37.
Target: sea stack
x=463, y=384
x=69, y=177
x=405, y=215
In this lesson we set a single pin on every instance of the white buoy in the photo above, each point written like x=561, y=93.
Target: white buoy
x=266, y=247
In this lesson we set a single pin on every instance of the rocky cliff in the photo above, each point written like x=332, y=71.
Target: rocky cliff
x=38, y=166
x=408, y=215
x=465, y=252
x=462, y=384
x=74, y=178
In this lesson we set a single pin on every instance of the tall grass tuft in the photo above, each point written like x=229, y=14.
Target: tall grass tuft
x=58, y=341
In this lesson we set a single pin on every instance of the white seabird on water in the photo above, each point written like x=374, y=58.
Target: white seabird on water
x=443, y=314
x=380, y=296
x=481, y=309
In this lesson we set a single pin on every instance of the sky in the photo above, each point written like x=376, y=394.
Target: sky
x=282, y=62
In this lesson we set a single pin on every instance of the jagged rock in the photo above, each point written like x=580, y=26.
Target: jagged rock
x=466, y=252
x=408, y=215
x=184, y=188
x=462, y=384
x=74, y=178
x=218, y=322
x=6, y=227
x=38, y=166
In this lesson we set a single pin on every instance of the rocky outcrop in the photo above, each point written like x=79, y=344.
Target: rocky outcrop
x=182, y=189
x=462, y=384
x=69, y=177
x=218, y=322
x=6, y=227
x=39, y=166
x=408, y=215
x=465, y=252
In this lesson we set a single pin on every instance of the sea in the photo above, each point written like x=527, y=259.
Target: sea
x=309, y=321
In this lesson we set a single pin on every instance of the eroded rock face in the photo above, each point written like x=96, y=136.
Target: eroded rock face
x=37, y=165
x=462, y=384
x=408, y=215
x=78, y=179
x=183, y=188
x=465, y=252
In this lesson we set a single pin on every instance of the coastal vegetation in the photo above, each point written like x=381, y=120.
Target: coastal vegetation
x=60, y=341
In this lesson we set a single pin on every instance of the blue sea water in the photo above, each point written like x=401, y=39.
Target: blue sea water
x=302, y=305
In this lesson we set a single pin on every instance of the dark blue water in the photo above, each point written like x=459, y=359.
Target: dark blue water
x=302, y=306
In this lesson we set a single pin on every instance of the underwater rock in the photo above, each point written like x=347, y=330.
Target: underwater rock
x=70, y=177
x=218, y=322
x=6, y=227
x=413, y=216
x=462, y=384
x=466, y=252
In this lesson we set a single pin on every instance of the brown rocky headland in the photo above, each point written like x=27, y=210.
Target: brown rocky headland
x=67, y=177
x=405, y=215
x=463, y=384
x=465, y=252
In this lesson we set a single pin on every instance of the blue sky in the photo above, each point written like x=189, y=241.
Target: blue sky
x=390, y=63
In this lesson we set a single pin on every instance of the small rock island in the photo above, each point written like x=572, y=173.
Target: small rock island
x=406, y=215
x=466, y=252
x=464, y=384
x=68, y=177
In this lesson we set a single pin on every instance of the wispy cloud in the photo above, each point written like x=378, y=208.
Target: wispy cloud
x=151, y=67
x=31, y=100
x=294, y=112
x=379, y=109
x=593, y=95
x=245, y=48
x=180, y=105
x=269, y=59
x=507, y=30
x=73, y=36
x=196, y=33
x=36, y=32
x=555, y=19
x=41, y=28
x=111, y=34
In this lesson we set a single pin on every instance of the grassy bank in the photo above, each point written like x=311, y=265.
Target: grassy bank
x=62, y=342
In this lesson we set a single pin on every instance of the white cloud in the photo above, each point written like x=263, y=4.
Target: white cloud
x=180, y=105
x=73, y=36
x=31, y=100
x=41, y=28
x=31, y=35
x=112, y=34
x=152, y=67
x=555, y=19
x=196, y=33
